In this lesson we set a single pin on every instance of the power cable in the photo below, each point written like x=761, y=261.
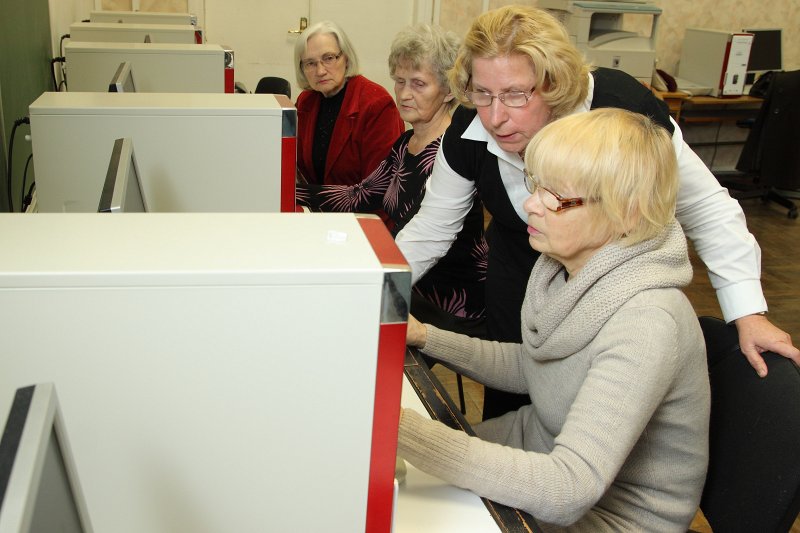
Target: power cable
x=24, y=180
x=17, y=123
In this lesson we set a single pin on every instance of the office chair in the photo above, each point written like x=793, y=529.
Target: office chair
x=770, y=159
x=274, y=85
x=753, y=480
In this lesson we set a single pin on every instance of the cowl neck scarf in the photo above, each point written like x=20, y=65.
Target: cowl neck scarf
x=559, y=319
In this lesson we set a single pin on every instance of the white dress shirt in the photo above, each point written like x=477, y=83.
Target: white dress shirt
x=711, y=219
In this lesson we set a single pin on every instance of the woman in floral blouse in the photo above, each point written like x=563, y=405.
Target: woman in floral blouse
x=451, y=294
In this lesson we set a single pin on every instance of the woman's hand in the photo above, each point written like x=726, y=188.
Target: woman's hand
x=417, y=333
x=757, y=334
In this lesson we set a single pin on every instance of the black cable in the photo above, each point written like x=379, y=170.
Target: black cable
x=17, y=123
x=53, y=74
x=28, y=197
x=61, y=54
x=53, y=62
x=24, y=180
x=61, y=44
x=714, y=153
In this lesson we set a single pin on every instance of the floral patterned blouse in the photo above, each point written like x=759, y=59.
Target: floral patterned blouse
x=456, y=283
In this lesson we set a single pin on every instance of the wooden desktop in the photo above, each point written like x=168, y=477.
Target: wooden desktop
x=694, y=109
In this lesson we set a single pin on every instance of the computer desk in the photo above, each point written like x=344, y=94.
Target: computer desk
x=696, y=109
x=426, y=503
x=699, y=111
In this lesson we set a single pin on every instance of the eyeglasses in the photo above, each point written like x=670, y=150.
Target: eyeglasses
x=328, y=60
x=509, y=98
x=552, y=201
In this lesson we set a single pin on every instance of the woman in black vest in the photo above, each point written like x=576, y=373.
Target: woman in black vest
x=516, y=72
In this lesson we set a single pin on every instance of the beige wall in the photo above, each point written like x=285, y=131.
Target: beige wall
x=677, y=15
x=457, y=15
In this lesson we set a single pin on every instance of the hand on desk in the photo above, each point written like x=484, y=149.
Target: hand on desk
x=400, y=470
x=756, y=335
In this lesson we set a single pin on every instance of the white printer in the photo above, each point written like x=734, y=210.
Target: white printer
x=596, y=29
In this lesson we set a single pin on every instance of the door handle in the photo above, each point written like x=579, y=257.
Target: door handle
x=303, y=26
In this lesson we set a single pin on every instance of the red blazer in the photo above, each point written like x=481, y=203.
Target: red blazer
x=366, y=128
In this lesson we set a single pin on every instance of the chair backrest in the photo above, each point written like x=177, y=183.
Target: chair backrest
x=753, y=480
x=274, y=85
x=771, y=146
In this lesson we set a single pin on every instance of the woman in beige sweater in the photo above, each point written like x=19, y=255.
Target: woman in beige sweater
x=616, y=436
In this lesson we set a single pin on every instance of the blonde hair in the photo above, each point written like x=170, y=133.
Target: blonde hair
x=560, y=69
x=325, y=26
x=622, y=162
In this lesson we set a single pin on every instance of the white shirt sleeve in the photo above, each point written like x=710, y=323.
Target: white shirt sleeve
x=429, y=234
x=716, y=225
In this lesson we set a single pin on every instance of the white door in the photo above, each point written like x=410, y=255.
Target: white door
x=259, y=32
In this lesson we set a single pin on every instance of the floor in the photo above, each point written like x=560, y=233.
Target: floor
x=779, y=238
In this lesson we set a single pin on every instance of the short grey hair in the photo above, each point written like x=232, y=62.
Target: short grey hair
x=325, y=26
x=425, y=45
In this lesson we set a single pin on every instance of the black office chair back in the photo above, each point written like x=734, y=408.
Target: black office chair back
x=770, y=156
x=274, y=85
x=753, y=480
x=771, y=146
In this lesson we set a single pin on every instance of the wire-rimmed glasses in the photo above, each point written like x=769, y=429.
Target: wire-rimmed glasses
x=327, y=60
x=509, y=98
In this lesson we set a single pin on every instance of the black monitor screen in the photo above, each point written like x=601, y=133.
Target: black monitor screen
x=765, y=53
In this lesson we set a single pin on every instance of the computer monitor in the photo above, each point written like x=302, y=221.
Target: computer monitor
x=122, y=190
x=122, y=82
x=39, y=489
x=765, y=52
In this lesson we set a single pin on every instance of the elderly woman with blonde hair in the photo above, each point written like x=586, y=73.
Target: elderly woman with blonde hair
x=612, y=356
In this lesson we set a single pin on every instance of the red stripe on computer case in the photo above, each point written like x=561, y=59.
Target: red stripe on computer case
x=388, y=389
x=382, y=243
x=229, y=80
x=386, y=417
x=288, y=177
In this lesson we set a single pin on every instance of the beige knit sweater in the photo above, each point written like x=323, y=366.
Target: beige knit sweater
x=616, y=437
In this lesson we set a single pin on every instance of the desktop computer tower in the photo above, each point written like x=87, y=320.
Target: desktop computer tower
x=715, y=59
x=196, y=152
x=157, y=68
x=216, y=371
x=133, y=33
x=142, y=17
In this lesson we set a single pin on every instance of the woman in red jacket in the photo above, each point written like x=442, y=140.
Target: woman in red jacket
x=346, y=124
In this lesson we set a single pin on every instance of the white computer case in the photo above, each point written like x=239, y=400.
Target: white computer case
x=216, y=372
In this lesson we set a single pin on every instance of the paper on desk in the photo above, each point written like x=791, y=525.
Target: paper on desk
x=426, y=503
